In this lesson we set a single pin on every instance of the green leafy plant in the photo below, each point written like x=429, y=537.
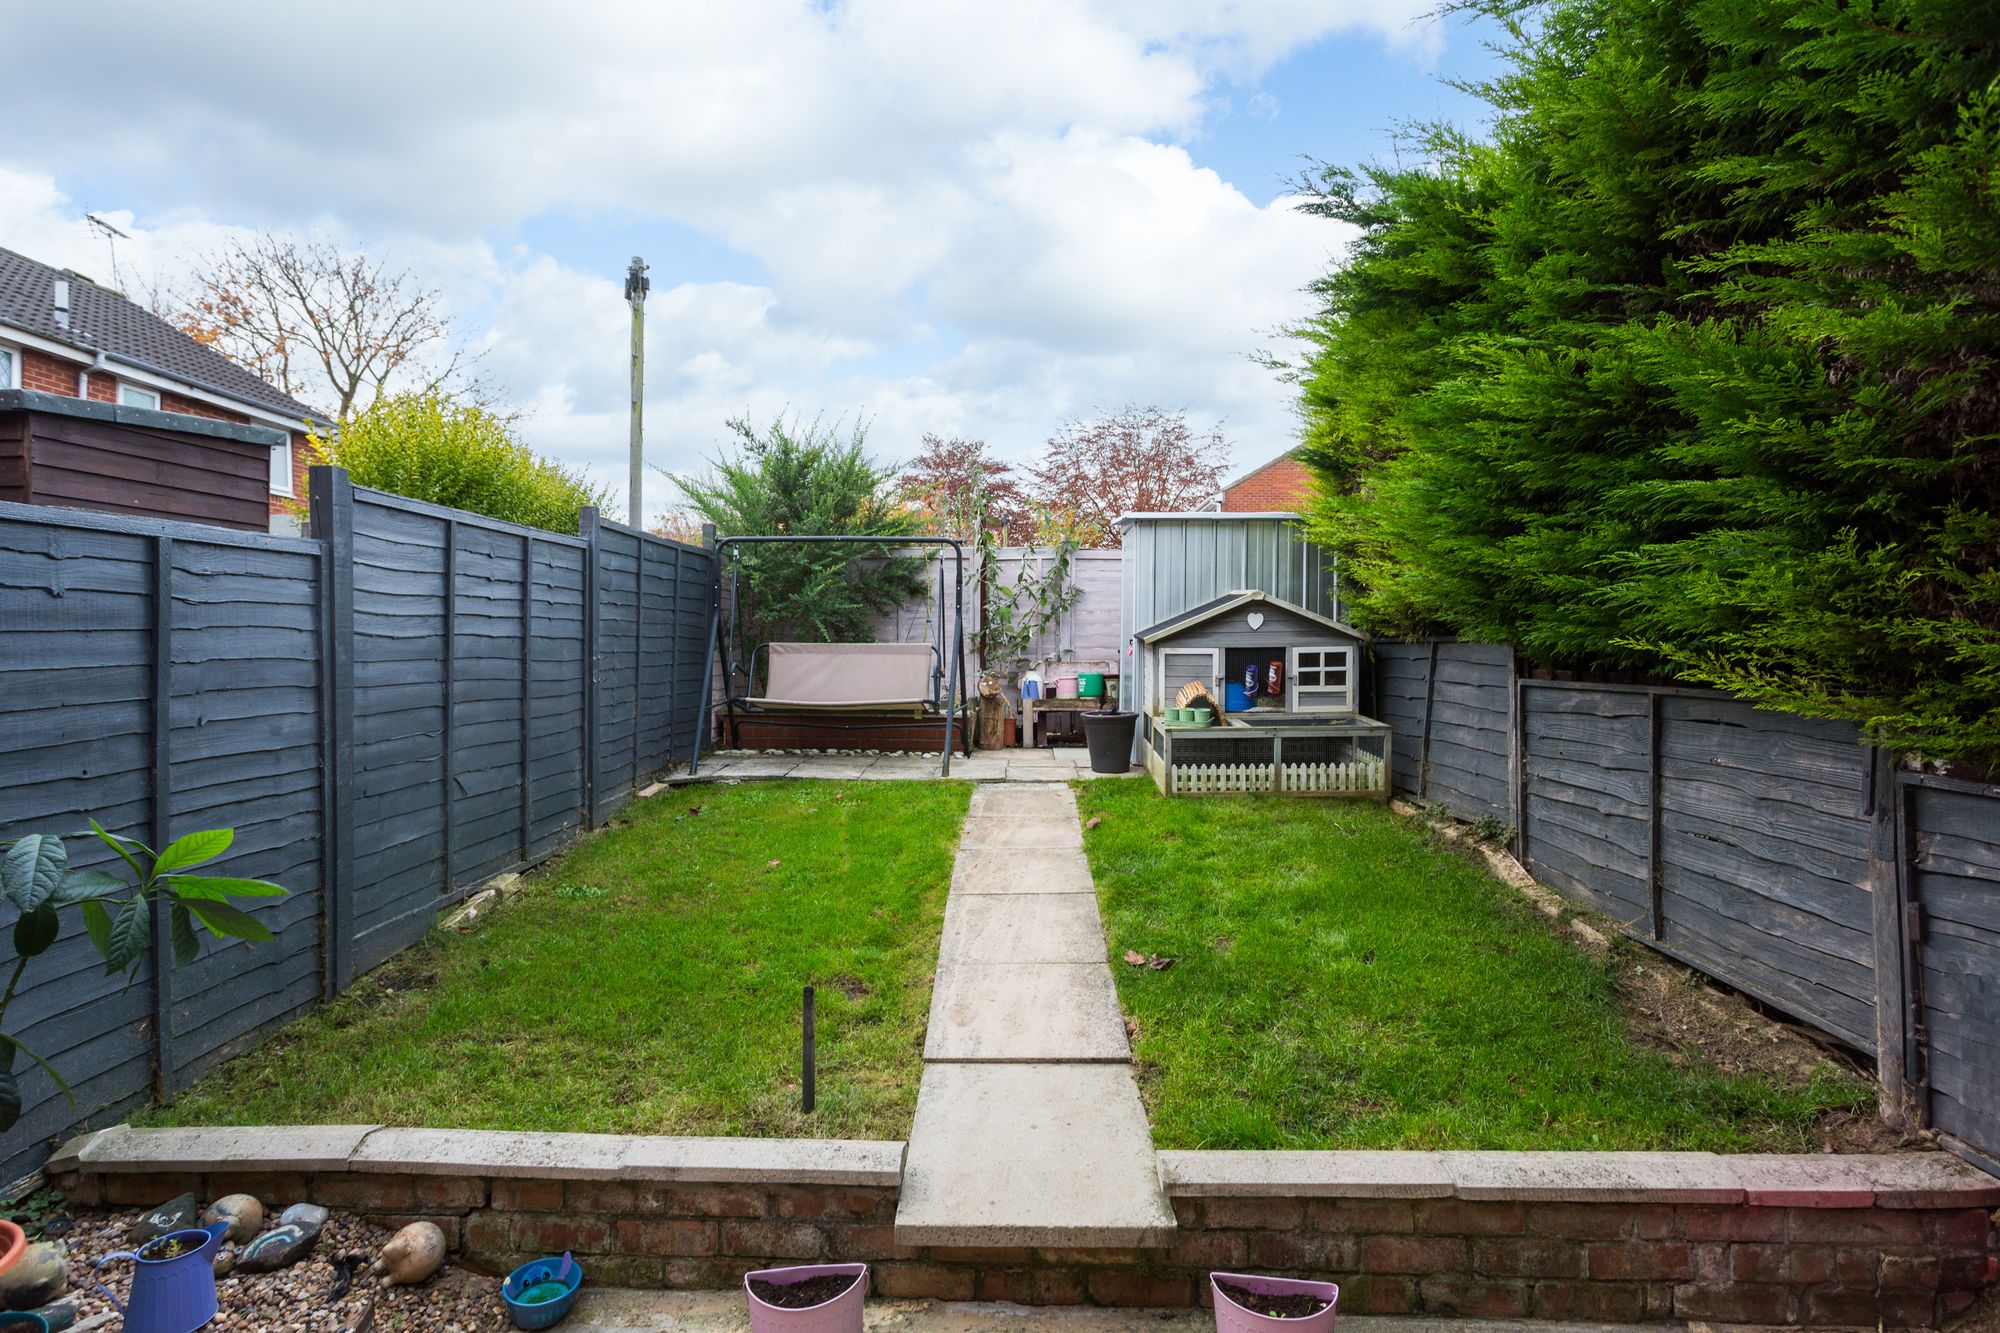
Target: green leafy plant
x=1015, y=613
x=36, y=877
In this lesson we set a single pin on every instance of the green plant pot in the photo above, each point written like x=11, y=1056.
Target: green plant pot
x=1177, y=715
x=1201, y=717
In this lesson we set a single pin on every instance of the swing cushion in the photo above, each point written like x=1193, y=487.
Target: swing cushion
x=833, y=677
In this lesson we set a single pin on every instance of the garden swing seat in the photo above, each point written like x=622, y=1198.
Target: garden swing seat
x=846, y=678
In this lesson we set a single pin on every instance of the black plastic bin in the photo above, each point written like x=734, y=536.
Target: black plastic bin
x=1109, y=736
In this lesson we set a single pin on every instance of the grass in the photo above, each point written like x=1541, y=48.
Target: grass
x=648, y=982
x=1344, y=980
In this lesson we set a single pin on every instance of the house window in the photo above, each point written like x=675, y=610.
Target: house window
x=1322, y=679
x=1178, y=666
x=131, y=395
x=10, y=368
x=281, y=468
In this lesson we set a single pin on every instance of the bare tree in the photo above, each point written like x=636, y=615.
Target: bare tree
x=1140, y=460
x=323, y=325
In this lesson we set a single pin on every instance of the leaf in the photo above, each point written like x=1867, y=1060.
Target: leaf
x=120, y=845
x=33, y=867
x=8, y=1046
x=81, y=885
x=223, y=887
x=1159, y=964
x=10, y=1100
x=129, y=935
x=1093, y=821
x=186, y=946
x=36, y=931
x=1135, y=958
x=194, y=848
x=97, y=920
x=225, y=920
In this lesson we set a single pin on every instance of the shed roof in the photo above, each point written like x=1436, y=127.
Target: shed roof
x=1230, y=601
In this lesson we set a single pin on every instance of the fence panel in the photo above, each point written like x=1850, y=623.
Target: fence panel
x=1955, y=884
x=1586, y=793
x=387, y=714
x=1451, y=707
x=1402, y=684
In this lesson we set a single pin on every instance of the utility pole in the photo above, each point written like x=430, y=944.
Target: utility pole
x=636, y=287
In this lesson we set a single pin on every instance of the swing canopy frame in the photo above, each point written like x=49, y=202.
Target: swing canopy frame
x=838, y=687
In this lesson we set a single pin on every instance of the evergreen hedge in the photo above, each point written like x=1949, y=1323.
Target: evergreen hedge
x=1691, y=367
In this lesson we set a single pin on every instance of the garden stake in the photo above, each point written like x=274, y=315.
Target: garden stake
x=811, y=1070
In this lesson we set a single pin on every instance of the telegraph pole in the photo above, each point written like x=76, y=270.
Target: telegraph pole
x=636, y=287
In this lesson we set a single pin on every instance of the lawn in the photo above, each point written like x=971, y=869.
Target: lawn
x=1344, y=980
x=649, y=982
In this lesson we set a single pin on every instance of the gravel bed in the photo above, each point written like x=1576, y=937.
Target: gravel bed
x=294, y=1299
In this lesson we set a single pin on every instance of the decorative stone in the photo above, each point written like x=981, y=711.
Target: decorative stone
x=242, y=1212
x=224, y=1262
x=411, y=1255
x=173, y=1215
x=286, y=1243
x=39, y=1276
x=58, y=1316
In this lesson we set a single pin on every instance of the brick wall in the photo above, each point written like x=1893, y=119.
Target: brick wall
x=1282, y=485
x=46, y=374
x=1812, y=1266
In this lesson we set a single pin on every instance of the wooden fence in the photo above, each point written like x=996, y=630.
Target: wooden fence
x=1779, y=854
x=389, y=713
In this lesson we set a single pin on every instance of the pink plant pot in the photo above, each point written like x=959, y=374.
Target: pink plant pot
x=1066, y=688
x=1233, y=1318
x=842, y=1314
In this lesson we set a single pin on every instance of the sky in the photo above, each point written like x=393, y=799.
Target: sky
x=971, y=219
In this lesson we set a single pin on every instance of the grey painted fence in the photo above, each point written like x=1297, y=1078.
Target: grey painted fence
x=389, y=714
x=1777, y=853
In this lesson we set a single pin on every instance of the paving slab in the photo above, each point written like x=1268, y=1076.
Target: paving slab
x=1027, y=1154
x=122, y=1148
x=984, y=832
x=1356, y=1174
x=1021, y=871
x=1021, y=928
x=1032, y=800
x=1032, y=1012
x=1596, y=1177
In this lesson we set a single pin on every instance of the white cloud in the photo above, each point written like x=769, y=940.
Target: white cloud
x=958, y=217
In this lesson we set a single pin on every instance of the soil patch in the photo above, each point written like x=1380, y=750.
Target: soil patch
x=1295, y=1305
x=853, y=987
x=802, y=1295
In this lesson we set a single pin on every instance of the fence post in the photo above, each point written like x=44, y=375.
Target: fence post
x=330, y=496
x=450, y=651
x=587, y=528
x=1430, y=704
x=527, y=695
x=1517, y=764
x=161, y=832
x=1655, y=880
x=1889, y=891
x=638, y=653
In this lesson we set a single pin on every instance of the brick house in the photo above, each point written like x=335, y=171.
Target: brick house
x=62, y=334
x=1282, y=486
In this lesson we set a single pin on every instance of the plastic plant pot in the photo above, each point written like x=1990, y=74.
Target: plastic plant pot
x=540, y=1292
x=1066, y=688
x=1233, y=1318
x=13, y=1244
x=1109, y=736
x=1201, y=717
x=842, y=1314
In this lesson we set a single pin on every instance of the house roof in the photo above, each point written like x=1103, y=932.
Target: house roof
x=1230, y=601
x=1264, y=466
x=101, y=320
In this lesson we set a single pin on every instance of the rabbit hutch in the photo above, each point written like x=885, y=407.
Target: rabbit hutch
x=1248, y=692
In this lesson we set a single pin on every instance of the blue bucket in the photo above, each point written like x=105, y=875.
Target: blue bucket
x=1235, y=698
x=549, y=1311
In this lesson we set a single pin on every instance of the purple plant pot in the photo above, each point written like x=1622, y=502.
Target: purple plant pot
x=842, y=1314
x=1233, y=1318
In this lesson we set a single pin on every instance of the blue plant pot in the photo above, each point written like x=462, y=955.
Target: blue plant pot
x=535, y=1273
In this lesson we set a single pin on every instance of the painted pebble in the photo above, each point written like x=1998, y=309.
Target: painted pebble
x=39, y=1276
x=173, y=1215
x=411, y=1255
x=289, y=1241
x=243, y=1213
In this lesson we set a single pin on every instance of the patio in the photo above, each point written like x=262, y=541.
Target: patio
x=1051, y=764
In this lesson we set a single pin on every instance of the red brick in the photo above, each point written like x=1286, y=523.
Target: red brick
x=1910, y=1272
x=1811, y=1266
x=679, y=1239
x=876, y=1242
x=1316, y=1251
x=1580, y=1221
x=1460, y=1217
x=1658, y=1221
x=1615, y=1302
x=1095, y=1258
x=148, y=1191
x=1471, y=1296
x=1760, y=1263
x=629, y=1270
x=528, y=1196
x=712, y=1201
x=1759, y=1224
x=783, y=1240
x=1969, y=1272
x=1826, y=1306
x=449, y=1224
x=857, y=1205
x=1375, y=1293
x=1741, y=1303
x=276, y=1189
x=1641, y=1261
x=1529, y=1257
x=1187, y=1212
x=1114, y=1286
x=1362, y=1217
x=923, y=1281
x=81, y=1189
x=450, y=1192
x=1413, y=1254
x=544, y=1234
x=366, y=1193
x=1282, y=485
x=988, y=1254
x=489, y=1233
x=1907, y=1309
x=1861, y=1226
x=1034, y=1286
x=1210, y=1249
x=1971, y=1227
x=703, y=1274
x=1255, y=1214
x=604, y=1196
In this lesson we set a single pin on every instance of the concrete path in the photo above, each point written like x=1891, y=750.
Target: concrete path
x=1029, y=1129
x=616, y=1310
x=1054, y=764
